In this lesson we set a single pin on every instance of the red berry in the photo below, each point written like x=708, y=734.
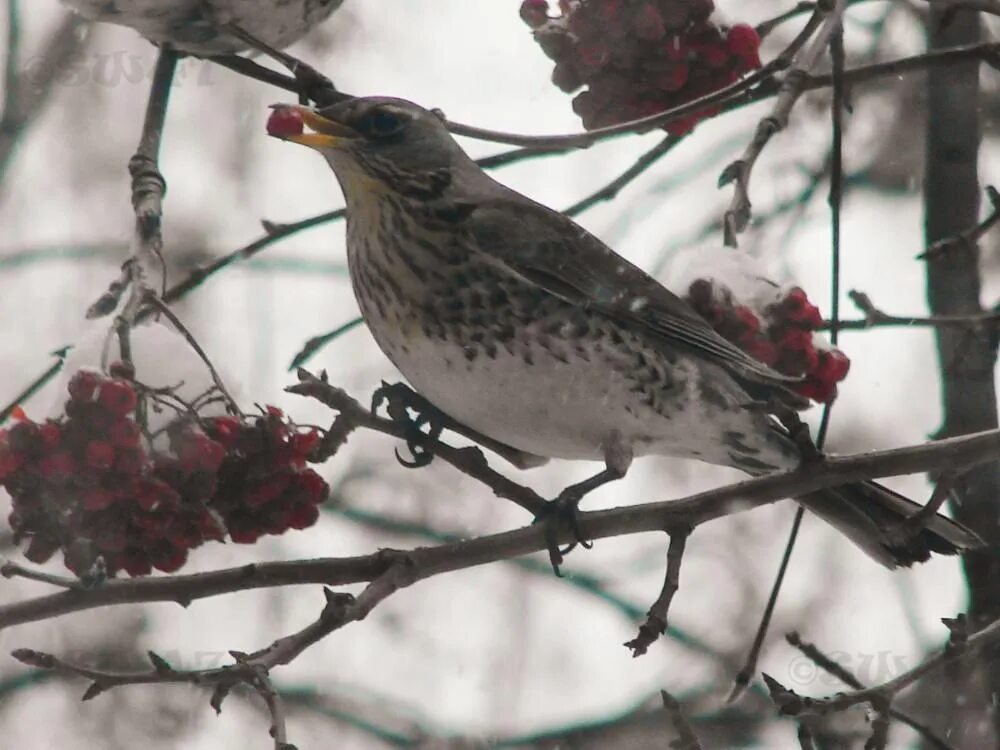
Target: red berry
x=795, y=300
x=130, y=461
x=834, y=365
x=744, y=42
x=304, y=442
x=100, y=455
x=170, y=561
x=675, y=79
x=58, y=465
x=51, y=434
x=125, y=433
x=748, y=318
x=40, y=549
x=314, y=485
x=682, y=125
x=244, y=534
x=535, y=12
x=648, y=23
x=302, y=516
x=676, y=48
x=213, y=455
x=713, y=55
x=118, y=397
x=136, y=563
x=765, y=351
x=267, y=492
x=274, y=411
x=83, y=385
x=154, y=494
x=284, y=122
x=98, y=499
x=226, y=430
x=796, y=339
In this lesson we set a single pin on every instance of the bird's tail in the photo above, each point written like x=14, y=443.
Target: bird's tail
x=872, y=516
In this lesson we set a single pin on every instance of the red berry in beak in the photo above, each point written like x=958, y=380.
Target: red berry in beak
x=284, y=122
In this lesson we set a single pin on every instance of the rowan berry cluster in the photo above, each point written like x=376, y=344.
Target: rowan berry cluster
x=781, y=334
x=640, y=57
x=95, y=482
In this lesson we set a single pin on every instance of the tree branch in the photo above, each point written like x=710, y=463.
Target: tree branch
x=954, y=453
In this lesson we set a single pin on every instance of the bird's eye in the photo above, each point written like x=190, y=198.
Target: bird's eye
x=381, y=123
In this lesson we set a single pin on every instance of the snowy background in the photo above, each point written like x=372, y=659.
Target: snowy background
x=506, y=653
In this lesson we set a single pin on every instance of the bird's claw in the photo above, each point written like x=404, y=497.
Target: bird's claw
x=400, y=400
x=563, y=512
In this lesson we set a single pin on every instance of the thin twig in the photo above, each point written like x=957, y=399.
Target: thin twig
x=162, y=307
x=738, y=172
x=970, y=236
x=611, y=190
x=875, y=317
x=656, y=618
x=24, y=103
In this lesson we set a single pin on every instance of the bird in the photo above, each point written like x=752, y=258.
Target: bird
x=513, y=320
x=198, y=26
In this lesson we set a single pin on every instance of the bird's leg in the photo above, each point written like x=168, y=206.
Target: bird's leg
x=564, y=509
x=311, y=83
x=400, y=400
x=798, y=431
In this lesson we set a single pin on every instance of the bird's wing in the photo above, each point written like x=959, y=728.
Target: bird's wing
x=551, y=251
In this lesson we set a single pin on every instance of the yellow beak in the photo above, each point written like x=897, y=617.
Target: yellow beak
x=327, y=133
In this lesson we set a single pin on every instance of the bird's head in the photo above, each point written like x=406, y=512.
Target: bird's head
x=378, y=144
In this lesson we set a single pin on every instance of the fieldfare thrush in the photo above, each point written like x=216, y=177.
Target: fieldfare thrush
x=516, y=322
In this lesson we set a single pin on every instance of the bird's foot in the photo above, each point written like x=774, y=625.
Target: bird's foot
x=558, y=515
x=421, y=421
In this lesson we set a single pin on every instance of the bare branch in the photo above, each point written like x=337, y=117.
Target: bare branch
x=691, y=511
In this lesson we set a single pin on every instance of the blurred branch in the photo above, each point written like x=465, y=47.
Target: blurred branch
x=967, y=239
x=686, y=738
x=24, y=103
x=251, y=669
x=960, y=646
x=824, y=662
x=875, y=317
x=611, y=190
x=34, y=386
x=692, y=511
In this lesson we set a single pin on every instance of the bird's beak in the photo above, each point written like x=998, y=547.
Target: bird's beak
x=327, y=133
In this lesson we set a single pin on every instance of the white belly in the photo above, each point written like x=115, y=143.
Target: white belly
x=568, y=409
